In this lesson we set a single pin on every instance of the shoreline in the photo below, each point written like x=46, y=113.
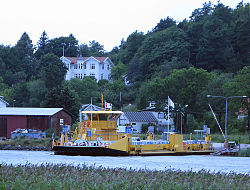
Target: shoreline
x=28, y=148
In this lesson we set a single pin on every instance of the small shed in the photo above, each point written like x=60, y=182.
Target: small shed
x=137, y=119
x=32, y=118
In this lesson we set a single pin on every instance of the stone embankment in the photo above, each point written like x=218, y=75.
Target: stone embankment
x=19, y=147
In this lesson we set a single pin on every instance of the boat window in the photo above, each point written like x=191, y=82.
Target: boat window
x=94, y=117
x=103, y=117
x=110, y=117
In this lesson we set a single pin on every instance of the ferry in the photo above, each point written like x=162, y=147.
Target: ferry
x=99, y=136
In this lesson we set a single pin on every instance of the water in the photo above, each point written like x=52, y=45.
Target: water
x=184, y=163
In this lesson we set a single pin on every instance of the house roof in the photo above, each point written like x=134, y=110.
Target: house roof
x=75, y=59
x=91, y=107
x=4, y=101
x=29, y=111
x=140, y=116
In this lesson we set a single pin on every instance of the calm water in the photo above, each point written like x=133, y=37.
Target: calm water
x=194, y=163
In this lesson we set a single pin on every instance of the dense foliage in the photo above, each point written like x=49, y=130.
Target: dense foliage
x=83, y=177
x=187, y=60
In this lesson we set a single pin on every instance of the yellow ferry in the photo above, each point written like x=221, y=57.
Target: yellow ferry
x=98, y=136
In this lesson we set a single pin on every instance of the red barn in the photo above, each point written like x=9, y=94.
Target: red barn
x=32, y=118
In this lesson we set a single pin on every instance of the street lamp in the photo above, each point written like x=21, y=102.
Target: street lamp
x=226, y=98
x=182, y=110
x=13, y=103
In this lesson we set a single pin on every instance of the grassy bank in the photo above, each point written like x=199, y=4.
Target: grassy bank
x=70, y=177
x=244, y=152
x=27, y=142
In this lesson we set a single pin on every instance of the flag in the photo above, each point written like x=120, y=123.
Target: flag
x=108, y=105
x=170, y=102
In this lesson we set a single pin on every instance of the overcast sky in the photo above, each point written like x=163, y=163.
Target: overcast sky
x=105, y=21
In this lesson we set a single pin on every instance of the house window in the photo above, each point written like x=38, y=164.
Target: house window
x=84, y=66
x=102, y=66
x=92, y=66
x=81, y=76
x=102, y=76
x=108, y=67
x=80, y=66
x=84, y=75
x=75, y=75
x=160, y=115
x=92, y=74
x=133, y=123
x=75, y=66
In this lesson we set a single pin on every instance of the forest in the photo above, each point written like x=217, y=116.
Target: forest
x=207, y=54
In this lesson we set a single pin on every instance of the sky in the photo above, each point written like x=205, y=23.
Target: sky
x=105, y=21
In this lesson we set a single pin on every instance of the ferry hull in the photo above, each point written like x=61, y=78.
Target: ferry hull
x=102, y=151
x=87, y=151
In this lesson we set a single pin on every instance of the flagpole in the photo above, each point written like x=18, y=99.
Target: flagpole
x=168, y=113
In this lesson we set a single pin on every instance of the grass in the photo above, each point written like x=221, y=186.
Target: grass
x=27, y=142
x=244, y=138
x=71, y=177
x=244, y=152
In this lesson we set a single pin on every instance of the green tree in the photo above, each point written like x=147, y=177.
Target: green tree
x=239, y=86
x=37, y=91
x=118, y=71
x=96, y=49
x=133, y=43
x=52, y=70
x=85, y=89
x=157, y=49
x=42, y=45
x=70, y=44
x=63, y=97
x=23, y=56
x=164, y=24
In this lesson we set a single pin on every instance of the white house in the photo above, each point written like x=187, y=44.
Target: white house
x=3, y=104
x=137, y=119
x=80, y=67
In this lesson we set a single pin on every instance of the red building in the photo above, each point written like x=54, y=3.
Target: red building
x=32, y=118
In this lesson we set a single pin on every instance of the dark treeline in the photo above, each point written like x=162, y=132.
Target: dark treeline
x=187, y=60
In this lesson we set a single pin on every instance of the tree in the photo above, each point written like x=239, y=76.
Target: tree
x=85, y=89
x=37, y=91
x=96, y=49
x=133, y=43
x=118, y=71
x=156, y=49
x=63, y=97
x=240, y=35
x=239, y=86
x=84, y=50
x=200, y=13
x=24, y=57
x=69, y=44
x=215, y=50
x=183, y=85
x=42, y=45
x=52, y=70
x=164, y=24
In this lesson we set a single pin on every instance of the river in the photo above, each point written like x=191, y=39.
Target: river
x=213, y=164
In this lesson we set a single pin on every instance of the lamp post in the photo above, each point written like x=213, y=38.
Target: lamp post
x=226, y=98
x=14, y=103
x=182, y=113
